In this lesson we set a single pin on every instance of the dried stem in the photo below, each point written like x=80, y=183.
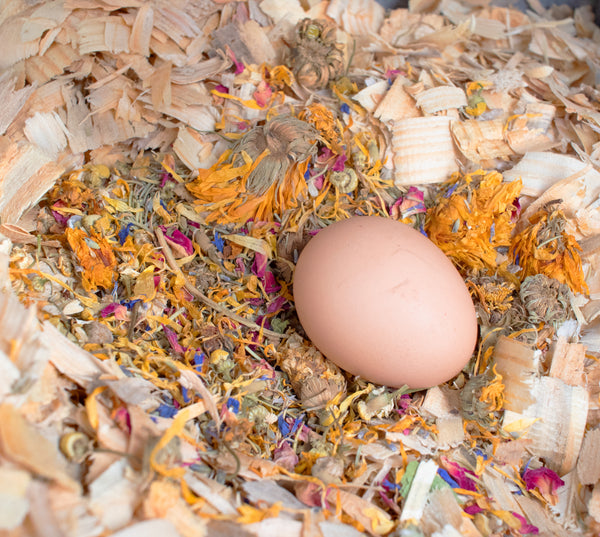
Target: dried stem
x=202, y=297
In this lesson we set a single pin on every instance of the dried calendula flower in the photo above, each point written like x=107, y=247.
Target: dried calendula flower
x=328, y=125
x=260, y=175
x=544, y=247
x=282, y=140
x=472, y=221
x=476, y=103
x=316, y=57
x=315, y=380
x=96, y=257
x=481, y=397
x=546, y=299
x=496, y=301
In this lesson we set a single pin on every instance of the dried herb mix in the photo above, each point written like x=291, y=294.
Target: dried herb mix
x=162, y=167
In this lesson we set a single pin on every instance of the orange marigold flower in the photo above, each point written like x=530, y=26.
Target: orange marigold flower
x=96, y=257
x=473, y=218
x=326, y=123
x=544, y=247
x=261, y=175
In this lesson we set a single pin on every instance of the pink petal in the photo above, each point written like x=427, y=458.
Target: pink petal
x=270, y=283
x=285, y=456
x=263, y=93
x=116, y=309
x=545, y=480
x=459, y=474
x=179, y=238
x=525, y=528
x=259, y=266
x=276, y=305
x=173, y=339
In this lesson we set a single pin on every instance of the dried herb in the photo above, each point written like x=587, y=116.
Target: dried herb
x=316, y=57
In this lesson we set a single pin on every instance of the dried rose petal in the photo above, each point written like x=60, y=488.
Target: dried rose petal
x=546, y=481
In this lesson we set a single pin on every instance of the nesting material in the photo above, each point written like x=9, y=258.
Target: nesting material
x=441, y=98
x=545, y=409
x=162, y=166
x=481, y=141
x=423, y=150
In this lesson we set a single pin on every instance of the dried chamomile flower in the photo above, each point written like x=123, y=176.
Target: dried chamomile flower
x=345, y=181
x=316, y=57
x=378, y=404
x=546, y=299
x=75, y=446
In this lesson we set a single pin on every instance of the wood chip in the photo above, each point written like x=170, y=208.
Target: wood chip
x=588, y=465
x=423, y=150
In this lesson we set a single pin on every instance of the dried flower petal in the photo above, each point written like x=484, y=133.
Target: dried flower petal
x=546, y=481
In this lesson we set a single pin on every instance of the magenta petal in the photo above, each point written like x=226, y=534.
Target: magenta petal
x=516, y=212
x=415, y=194
x=270, y=283
x=339, y=164
x=276, y=305
x=259, y=266
x=179, y=238
x=173, y=340
x=116, y=309
x=461, y=475
x=543, y=475
x=545, y=480
x=472, y=509
x=525, y=528
x=261, y=320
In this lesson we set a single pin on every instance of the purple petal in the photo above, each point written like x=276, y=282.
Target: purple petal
x=270, y=283
x=259, y=266
x=173, y=339
x=179, y=238
x=276, y=305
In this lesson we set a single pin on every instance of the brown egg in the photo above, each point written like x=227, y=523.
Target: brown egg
x=381, y=301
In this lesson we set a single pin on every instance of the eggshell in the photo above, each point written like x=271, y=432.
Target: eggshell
x=382, y=301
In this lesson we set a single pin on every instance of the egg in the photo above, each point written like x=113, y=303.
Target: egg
x=382, y=301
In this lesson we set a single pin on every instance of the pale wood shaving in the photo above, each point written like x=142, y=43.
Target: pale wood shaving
x=441, y=98
x=588, y=465
x=423, y=150
x=481, y=141
x=567, y=362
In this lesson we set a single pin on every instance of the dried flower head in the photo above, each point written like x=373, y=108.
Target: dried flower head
x=546, y=299
x=472, y=220
x=315, y=380
x=282, y=140
x=316, y=57
x=259, y=176
x=544, y=247
x=344, y=181
x=481, y=397
x=75, y=446
x=496, y=301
